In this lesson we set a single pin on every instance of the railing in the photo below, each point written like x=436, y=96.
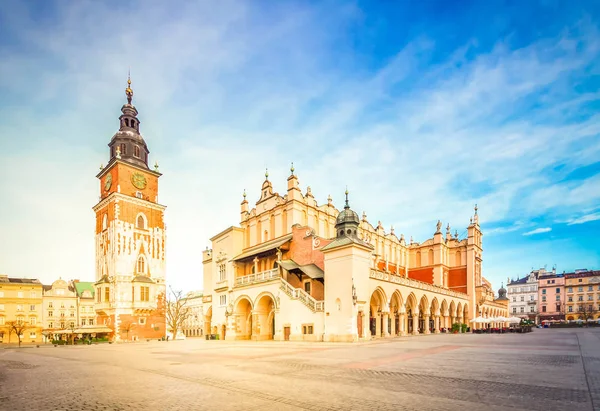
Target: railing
x=207, y=299
x=261, y=277
x=303, y=296
x=409, y=282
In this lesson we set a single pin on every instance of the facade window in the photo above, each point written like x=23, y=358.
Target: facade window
x=580, y=280
x=83, y=321
x=522, y=298
x=570, y=309
x=141, y=265
x=580, y=289
x=522, y=309
x=19, y=307
x=141, y=222
x=136, y=151
x=62, y=313
x=104, y=222
x=144, y=293
x=531, y=298
x=544, y=291
x=50, y=304
x=558, y=291
x=33, y=294
x=91, y=321
x=570, y=298
x=62, y=325
x=223, y=300
x=558, y=307
x=514, y=310
x=123, y=149
x=32, y=320
x=531, y=309
x=72, y=314
x=557, y=297
x=590, y=297
x=72, y=324
x=50, y=324
x=106, y=294
x=543, y=308
x=32, y=334
x=20, y=294
x=307, y=287
x=580, y=298
x=514, y=299
x=142, y=321
x=307, y=329
x=50, y=313
x=590, y=288
x=1, y=307
x=222, y=272
x=32, y=307
x=543, y=298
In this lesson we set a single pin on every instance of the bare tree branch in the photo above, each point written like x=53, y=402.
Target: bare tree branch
x=17, y=327
x=176, y=311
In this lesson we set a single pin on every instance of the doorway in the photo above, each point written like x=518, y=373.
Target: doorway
x=286, y=333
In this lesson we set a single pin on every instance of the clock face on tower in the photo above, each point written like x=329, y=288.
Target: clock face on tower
x=108, y=182
x=138, y=180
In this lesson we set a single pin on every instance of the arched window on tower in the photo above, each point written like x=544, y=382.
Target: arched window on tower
x=132, y=123
x=458, y=261
x=104, y=222
x=127, y=122
x=112, y=151
x=123, y=148
x=430, y=257
x=141, y=265
x=141, y=221
x=418, y=258
x=136, y=151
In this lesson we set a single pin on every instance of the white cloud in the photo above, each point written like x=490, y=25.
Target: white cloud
x=538, y=231
x=584, y=219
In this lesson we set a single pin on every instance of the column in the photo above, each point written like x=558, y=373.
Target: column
x=459, y=321
x=385, y=317
x=403, y=323
x=394, y=331
x=437, y=324
x=378, y=325
x=426, y=321
x=415, y=324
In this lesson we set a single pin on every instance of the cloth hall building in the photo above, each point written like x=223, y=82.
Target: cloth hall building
x=297, y=270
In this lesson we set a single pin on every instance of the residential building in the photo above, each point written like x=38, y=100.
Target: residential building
x=551, y=296
x=21, y=302
x=582, y=289
x=523, y=295
x=194, y=323
x=296, y=270
x=86, y=313
x=60, y=307
x=130, y=236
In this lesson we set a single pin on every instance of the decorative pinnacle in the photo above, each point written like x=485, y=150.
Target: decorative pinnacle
x=156, y=166
x=475, y=209
x=128, y=90
x=292, y=168
x=244, y=194
x=347, y=204
x=266, y=173
x=101, y=166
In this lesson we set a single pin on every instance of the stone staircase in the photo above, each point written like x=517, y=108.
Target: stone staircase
x=301, y=295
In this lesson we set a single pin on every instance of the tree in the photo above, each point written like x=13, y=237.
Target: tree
x=176, y=311
x=17, y=327
x=586, y=312
x=126, y=327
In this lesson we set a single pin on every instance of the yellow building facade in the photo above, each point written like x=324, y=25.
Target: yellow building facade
x=582, y=290
x=20, y=301
x=60, y=307
x=297, y=270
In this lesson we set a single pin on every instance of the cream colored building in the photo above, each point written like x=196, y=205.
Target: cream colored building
x=60, y=306
x=20, y=301
x=297, y=270
x=86, y=315
x=193, y=325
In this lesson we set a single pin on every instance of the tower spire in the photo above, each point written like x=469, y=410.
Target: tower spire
x=128, y=90
x=347, y=204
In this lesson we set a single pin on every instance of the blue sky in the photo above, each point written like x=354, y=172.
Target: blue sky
x=422, y=108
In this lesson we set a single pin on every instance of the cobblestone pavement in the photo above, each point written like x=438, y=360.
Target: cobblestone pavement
x=543, y=370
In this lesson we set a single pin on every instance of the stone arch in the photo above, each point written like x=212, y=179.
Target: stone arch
x=465, y=312
x=242, y=312
x=459, y=311
x=444, y=314
x=264, y=309
x=208, y=321
x=434, y=307
x=397, y=312
x=377, y=306
x=396, y=302
x=444, y=308
x=141, y=221
x=452, y=307
x=424, y=304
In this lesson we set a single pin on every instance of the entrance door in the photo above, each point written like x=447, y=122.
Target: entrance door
x=359, y=324
x=286, y=333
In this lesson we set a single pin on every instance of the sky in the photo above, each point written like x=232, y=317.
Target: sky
x=423, y=109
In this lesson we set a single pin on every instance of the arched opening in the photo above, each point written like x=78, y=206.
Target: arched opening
x=141, y=221
x=377, y=308
x=123, y=148
x=127, y=122
x=423, y=313
x=430, y=257
x=136, y=151
x=208, y=320
x=412, y=314
x=457, y=258
x=265, y=318
x=418, y=258
x=243, y=319
x=104, y=222
x=396, y=305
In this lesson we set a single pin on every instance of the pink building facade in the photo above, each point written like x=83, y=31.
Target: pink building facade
x=551, y=297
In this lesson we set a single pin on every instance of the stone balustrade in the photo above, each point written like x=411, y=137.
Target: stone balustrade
x=410, y=282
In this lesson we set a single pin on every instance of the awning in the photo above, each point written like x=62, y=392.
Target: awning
x=264, y=247
x=310, y=270
x=87, y=330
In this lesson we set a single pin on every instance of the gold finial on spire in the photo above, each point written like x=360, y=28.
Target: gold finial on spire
x=101, y=166
x=244, y=193
x=347, y=205
x=292, y=168
x=266, y=173
x=128, y=90
x=156, y=166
